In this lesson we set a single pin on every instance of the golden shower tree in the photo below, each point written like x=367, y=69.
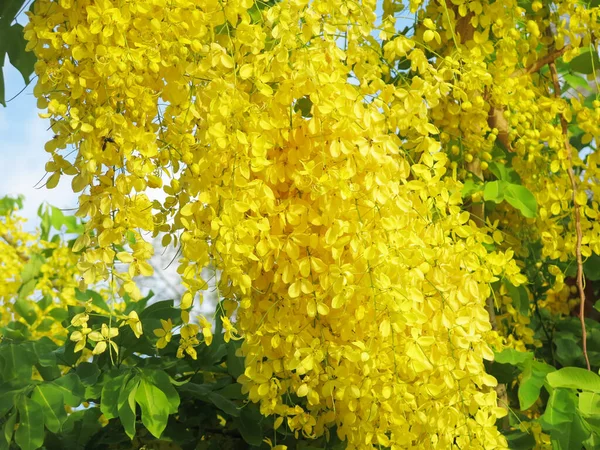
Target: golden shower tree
x=388, y=196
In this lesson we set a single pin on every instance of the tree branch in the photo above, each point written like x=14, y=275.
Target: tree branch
x=577, y=212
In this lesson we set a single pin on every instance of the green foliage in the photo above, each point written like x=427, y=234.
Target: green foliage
x=141, y=398
x=12, y=44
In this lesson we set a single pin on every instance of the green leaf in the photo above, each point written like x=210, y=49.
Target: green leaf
x=110, y=395
x=9, y=10
x=225, y=405
x=249, y=425
x=504, y=173
x=568, y=348
x=519, y=297
x=304, y=105
x=97, y=299
x=30, y=434
x=72, y=389
x=9, y=427
x=586, y=62
x=21, y=59
x=33, y=268
x=88, y=373
x=591, y=267
x=155, y=407
x=574, y=378
x=17, y=361
x=161, y=380
x=80, y=427
x=24, y=308
x=589, y=404
x=576, y=81
x=51, y=401
x=521, y=198
x=513, y=357
x=519, y=440
x=532, y=382
x=235, y=364
x=494, y=191
x=126, y=406
x=470, y=188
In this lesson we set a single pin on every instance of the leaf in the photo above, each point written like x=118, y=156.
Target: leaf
x=155, y=407
x=21, y=59
x=160, y=310
x=568, y=348
x=519, y=440
x=249, y=425
x=24, y=308
x=9, y=427
x=521, y=198
x=71, y=388
x=225, y=405
x=574, y=378
x=126, y=406
x=97, y=299
x=589, y=404
x=504, y=173
x=586, y=62
x=576, y=81
x=513, y=357
x=494, y=191
x=88, y=373
x=470, y=188
x=109, y=404
x=52, y=402
x=519, y=297
x=235, y=364
x=17, y=361
x=304, y=105
x=33, y=268
x=9, y=10
x=30, y=434
x=531, y=384
x=591, y=267
x=80, y=427
x=161, y=380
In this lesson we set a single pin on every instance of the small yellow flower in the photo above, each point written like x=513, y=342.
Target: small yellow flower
x=80, y=337
x=134, y=322
x=164, y=333
x=230, y=330
x=206, y=329
x=188, y=341
x=103, y=338
x=80, y=320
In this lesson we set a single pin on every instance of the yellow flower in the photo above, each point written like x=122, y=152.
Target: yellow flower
x=206, y=329
x=103, y=338
x=134, y=322
x=164, y=333
x=230, y=330
x=188, y=341
x=80, y=337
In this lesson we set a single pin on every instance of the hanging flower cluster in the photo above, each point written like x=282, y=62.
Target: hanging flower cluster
x=317, y=157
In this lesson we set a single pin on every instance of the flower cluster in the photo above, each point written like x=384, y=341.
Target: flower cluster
x=320, y=171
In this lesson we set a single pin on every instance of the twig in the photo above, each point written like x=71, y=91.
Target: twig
x=548, y=59
x=11, y=243
x=577, y=211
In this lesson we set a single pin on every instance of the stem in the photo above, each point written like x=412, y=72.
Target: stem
x=577, y=212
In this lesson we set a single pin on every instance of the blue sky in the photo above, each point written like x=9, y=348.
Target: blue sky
x=22, y=155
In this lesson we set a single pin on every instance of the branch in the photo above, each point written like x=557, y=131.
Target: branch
x=550, y=58
x=12, y=244
x=577, y=211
